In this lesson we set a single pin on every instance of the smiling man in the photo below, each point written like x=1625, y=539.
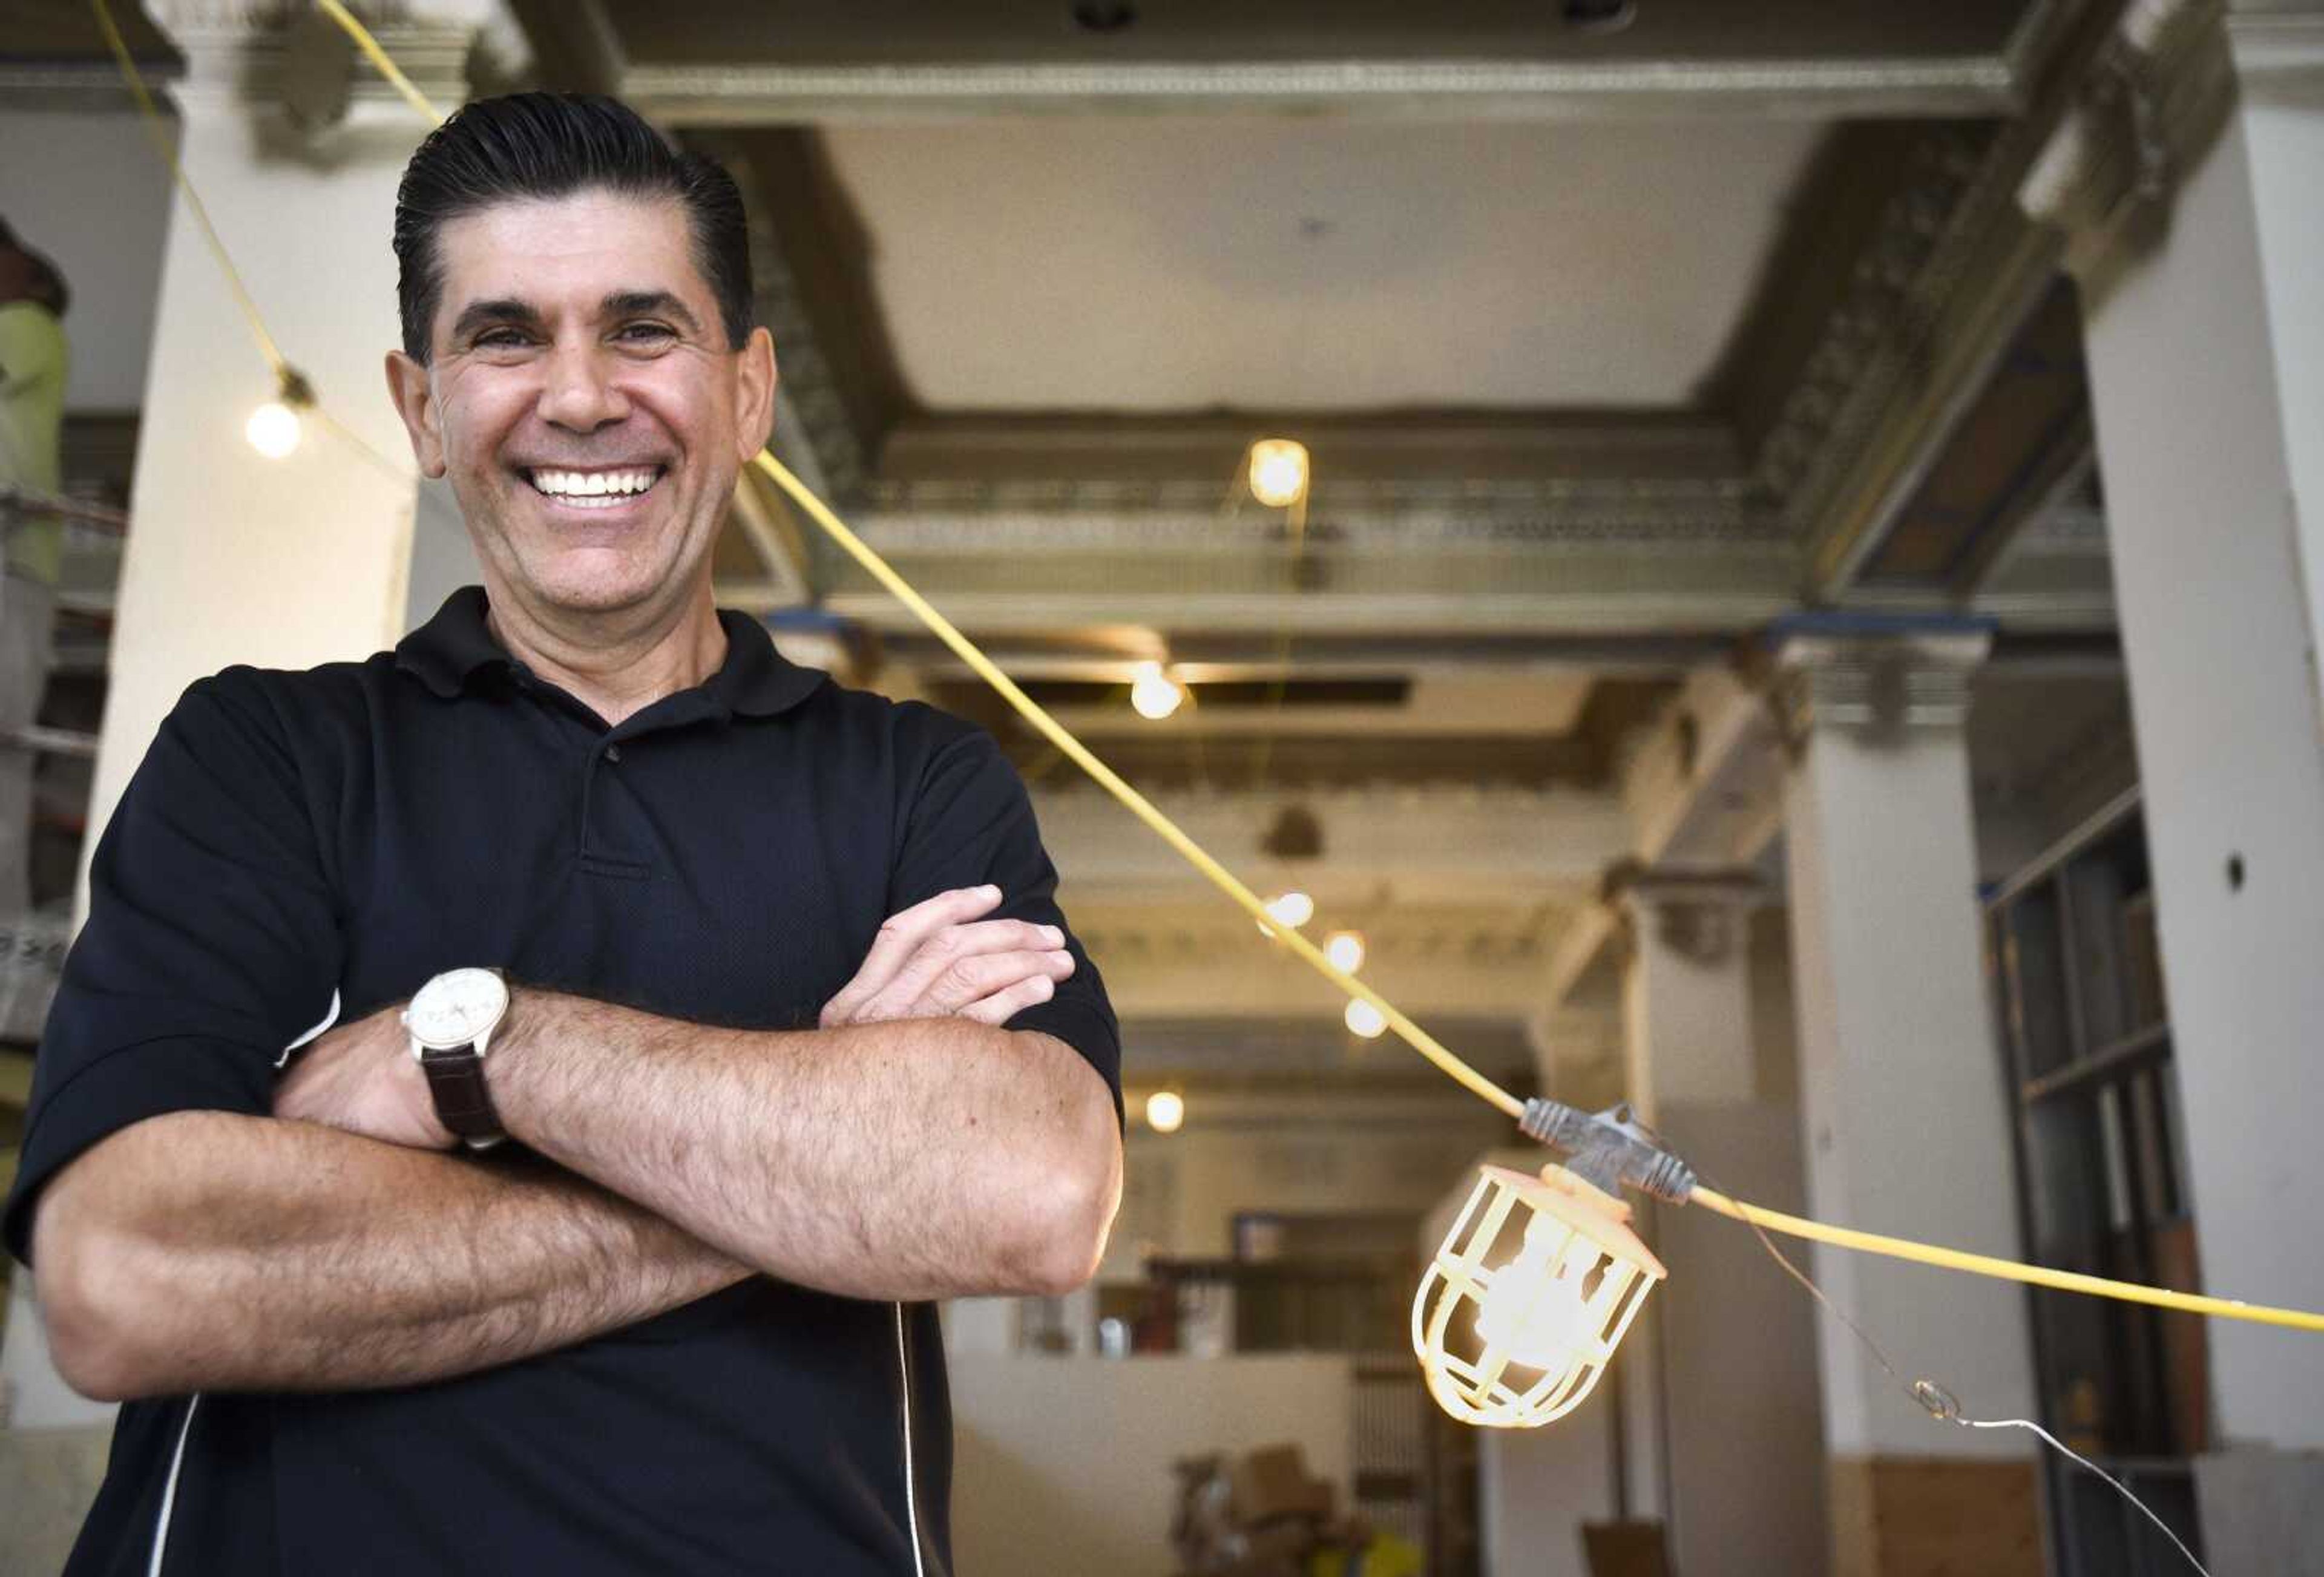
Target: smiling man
x=762, y=981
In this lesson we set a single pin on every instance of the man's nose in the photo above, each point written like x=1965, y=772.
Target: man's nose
x=581, y=394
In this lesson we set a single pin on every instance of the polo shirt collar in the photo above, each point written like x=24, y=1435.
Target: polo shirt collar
x=755, y=680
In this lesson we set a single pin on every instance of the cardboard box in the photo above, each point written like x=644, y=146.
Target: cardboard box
x=1272, y=1482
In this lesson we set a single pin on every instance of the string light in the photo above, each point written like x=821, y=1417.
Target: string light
x=274, y=429
x=1154, y=693
x=1166, y=1111
x=1544, y=1312
x=1513, y=1340
x=1279, y=472
x=1364, y=1020
x=1345, y=949
x=1293, y=908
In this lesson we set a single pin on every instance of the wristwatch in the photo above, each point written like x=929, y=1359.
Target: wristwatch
x=451, y=1021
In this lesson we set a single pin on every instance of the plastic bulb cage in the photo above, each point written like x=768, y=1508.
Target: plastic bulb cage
x=1522, y=1308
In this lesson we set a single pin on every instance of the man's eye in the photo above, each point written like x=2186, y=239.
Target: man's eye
x=500, y=340
x=646, y=333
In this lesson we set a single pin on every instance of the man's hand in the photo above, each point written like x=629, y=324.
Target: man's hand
x=362, y=1078
x=937, y=960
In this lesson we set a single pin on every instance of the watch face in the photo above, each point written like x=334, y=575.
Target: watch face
x=454, y=1009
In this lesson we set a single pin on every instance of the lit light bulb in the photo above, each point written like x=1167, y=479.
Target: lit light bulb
x=1279, y=472
x=1293, y=908
x=1154, y=694
x=1165, y=1111
x=1514, y=1344
x=1345, y=951
x=1364, y=1018
x=273, y=429
x=1534, y=1310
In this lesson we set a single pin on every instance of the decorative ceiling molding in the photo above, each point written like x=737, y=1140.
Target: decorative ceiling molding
x=1585, y=609
x=77, y=88
x=810, y=390
x=1834, y=398
x=1431, y=843
x=1988, y=272
x=758, y=94
x=972, y=518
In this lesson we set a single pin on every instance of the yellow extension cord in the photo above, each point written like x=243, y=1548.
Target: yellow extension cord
x=1426, y=1044
x=1225, y=880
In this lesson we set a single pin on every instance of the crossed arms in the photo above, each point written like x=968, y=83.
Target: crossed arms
x=909, y=1148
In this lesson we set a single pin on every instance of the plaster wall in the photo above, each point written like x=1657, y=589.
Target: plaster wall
x=87, y=188
x=1063, y=1464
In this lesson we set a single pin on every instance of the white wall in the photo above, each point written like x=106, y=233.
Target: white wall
x=1063, y=1464
x=88, y=189
x=1182, y=1191
x=1537, y=1487
x=443, y=555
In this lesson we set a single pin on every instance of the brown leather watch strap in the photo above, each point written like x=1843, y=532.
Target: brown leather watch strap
x=457, y=1079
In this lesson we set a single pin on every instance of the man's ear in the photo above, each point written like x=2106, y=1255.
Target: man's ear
x=755, y=378
x=415, y=401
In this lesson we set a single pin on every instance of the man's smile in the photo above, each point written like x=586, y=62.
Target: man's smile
x=599, y=489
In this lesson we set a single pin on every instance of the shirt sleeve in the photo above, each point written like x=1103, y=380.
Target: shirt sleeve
x=972, y=822
x=30, y=346
x=213, y=942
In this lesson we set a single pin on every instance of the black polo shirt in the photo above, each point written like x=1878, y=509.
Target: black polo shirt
x=725, y=855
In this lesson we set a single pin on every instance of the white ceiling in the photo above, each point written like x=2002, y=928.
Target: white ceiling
x=1143, y=265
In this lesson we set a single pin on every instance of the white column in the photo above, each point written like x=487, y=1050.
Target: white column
x=234, y=557
x=1728, y=1350
x=1905, y=1122
x=1686, y=997
x=2206, y=374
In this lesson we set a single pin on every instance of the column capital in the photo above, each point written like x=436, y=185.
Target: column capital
x=2153, y=100
x=1857, y=677
x=1698, y=914
x=282, y=54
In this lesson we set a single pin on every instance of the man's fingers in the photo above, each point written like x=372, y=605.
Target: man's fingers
x=953, y=945
x=902, y=935
x=967, y=978
x=1004, y=1005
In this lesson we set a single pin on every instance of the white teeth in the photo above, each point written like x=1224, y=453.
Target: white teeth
x=579, y=486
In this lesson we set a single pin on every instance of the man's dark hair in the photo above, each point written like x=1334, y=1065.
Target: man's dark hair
x=538, y=145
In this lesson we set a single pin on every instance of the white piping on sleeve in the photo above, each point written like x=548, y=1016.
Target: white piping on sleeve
x=330, y=1018
x=169, y=1488
x=911, y=1478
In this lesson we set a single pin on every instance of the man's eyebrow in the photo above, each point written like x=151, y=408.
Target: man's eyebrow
x=632, y=303
x=476, y=315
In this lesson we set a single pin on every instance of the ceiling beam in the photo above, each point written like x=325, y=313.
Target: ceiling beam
x=1582, y=610
x=759, y=93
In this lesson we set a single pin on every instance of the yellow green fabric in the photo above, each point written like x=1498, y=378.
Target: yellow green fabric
x=33, y=363
x=1386, y=1556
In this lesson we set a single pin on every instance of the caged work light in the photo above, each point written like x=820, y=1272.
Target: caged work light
x=1541, y=1277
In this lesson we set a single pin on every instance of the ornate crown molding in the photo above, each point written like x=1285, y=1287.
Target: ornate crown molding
x=1135, y=516
x=808, y=383
x=241, y=55
x=1893, y=293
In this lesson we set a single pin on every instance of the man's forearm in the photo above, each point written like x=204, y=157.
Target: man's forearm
x=920, y=1158
x=206, y=1251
